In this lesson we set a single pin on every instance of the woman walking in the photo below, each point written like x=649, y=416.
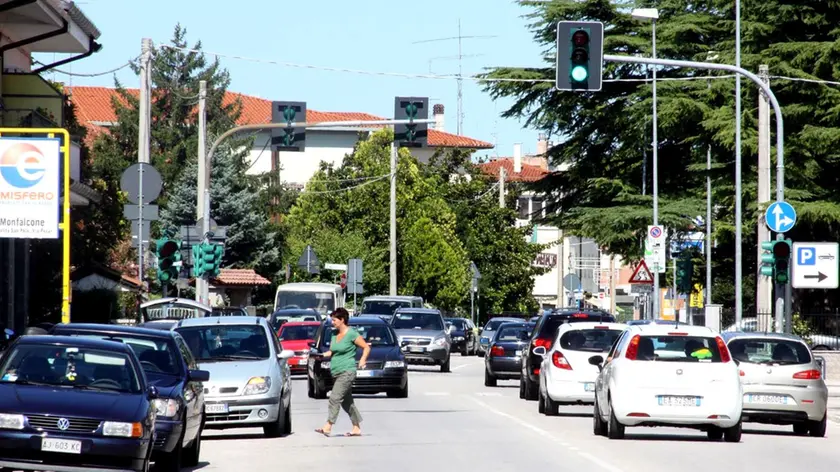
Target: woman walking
x=342, y=355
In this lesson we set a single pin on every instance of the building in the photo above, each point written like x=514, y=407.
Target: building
x=96, y=112
x=28, y=101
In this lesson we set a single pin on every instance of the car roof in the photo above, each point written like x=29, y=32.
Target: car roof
x=507, y=319
x=56, y=340
x=663, y=330
x=398, y=298
x=591, y=325
x=112, y=329
x=222, y=320
x=300, y=323
x=175, y=300
x=430, y=311
x=367, y=319
x=159, y=325
x=290, y=311
x=729, y=336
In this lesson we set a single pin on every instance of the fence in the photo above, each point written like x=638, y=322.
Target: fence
x=822, y=330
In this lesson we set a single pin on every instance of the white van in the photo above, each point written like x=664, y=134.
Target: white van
x=321, y=297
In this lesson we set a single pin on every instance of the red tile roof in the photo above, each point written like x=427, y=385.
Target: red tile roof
x=240, y=277
x=529, y=173
x=93, y=105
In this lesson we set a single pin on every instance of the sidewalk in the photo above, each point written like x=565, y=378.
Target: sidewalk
x=833, y=401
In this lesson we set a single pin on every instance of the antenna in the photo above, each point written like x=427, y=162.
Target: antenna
x=460, y=57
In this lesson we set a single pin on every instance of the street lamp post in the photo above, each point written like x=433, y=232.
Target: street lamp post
x=652, y=14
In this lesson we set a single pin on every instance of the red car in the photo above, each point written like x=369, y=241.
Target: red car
x=296, y=336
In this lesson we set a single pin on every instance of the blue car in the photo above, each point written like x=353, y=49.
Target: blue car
x=171, y=368
x=71, y=404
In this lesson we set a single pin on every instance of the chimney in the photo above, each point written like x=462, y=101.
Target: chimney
x=542, y=145
x=437, y=111
x=517, y=158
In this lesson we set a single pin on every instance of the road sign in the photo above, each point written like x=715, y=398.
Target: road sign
x=641, y=275
x=815, y=265
x=138, y=231
x=309, y=261
x=355, y=276
x=132, y=212
x=342, y=267
x=130, y=183
x=641, y=288
x=655, y=248
x=780, y=217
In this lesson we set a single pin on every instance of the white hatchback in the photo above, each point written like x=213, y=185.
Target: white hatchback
x=566, y=376
x=679, y=376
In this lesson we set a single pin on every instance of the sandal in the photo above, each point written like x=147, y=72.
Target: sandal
x=321, y=431
x=350, y=435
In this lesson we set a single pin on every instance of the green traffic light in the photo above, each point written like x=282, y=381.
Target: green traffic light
x=579, y=73
x=411, y=110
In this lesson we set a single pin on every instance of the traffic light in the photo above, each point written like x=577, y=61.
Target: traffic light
x=168, y=253
x=207, y=259
x=775, y=261
x=685, y=270
x=580, y=55
x=290, y=138
x=411, y=108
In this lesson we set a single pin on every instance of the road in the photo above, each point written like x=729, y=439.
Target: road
x=453, y=422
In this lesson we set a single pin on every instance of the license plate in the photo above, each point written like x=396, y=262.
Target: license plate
x=301, y=361
x=364, y=373
x=770, y=399
x=216, y=408
x=679, y=401
x=61, y=445
x=518, y=353
x=416, y=349
x=589, y=387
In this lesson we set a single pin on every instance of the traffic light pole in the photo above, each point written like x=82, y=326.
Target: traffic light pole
x=323, y=125
x=783, y=296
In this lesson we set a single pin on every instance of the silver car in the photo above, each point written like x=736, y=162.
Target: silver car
x=250, y=379
x=782, y=382
x=423, y=336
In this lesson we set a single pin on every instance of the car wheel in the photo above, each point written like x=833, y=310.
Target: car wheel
x=599, y=426
x=817, y=428
x=521, y=388
x=278, y=427
x=171, y=461
x=489, y=379
x=530, y=389
x=552, y=408
x=445, y=366
x=801, y=429
x=401, y=393
x=193, y=453
x=615, y=430
x=733, y=434
x=714, y=433
x=540, y=402
x=287, y=422
x=317, y=393
x=310, y=388
x=465, y=350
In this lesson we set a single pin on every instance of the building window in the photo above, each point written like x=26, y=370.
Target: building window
x=537, y=208
x=524, y=208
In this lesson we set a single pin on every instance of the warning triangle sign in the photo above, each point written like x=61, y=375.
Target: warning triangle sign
x=641, y=275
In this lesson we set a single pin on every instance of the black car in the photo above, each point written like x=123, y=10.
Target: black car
x=74, y=404
x=488, y=332
x=171, y=368
x=385, y=371
x=163, y=325
x=504, y=358
x=543, y=335
x=463, y=336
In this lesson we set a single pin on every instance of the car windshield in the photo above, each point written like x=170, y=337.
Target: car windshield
x=74, y=367
x=281, y=318
x=226, y=342
x=424, y=321
x=511, y=333
x=157, y=356
x=375, y=335
x=678, y=349
x=323, y=302
x=769, y=351
x=298, y=332
x=459, y=323
x=589, y=340
x=382, y=307
x=493, y=325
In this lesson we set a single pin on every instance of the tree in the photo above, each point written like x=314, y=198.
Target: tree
x=599, y=196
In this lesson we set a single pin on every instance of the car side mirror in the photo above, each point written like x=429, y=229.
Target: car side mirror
x=540, y=351
x=198, y=375
x=153, y=392
x=597, y=361
x=286, y=354
x=311, y=344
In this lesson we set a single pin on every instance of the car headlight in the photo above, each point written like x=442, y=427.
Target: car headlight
x=257, y=385
x=123, y=430
x=11, y=421
x=485, y=340
x=458, y=338
x=394, y=364
x=325, y=365
x=167, y=407
x=440, y=342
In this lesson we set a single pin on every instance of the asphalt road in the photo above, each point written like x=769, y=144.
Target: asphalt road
x=453, y=422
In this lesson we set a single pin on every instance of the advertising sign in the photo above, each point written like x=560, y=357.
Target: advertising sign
x=29, y=187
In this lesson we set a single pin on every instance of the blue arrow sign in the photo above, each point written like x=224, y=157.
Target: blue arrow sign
x=780, y=217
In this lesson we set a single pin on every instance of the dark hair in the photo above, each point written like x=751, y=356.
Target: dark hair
x=341, y=314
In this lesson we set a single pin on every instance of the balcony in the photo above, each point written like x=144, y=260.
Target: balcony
x=27, y=118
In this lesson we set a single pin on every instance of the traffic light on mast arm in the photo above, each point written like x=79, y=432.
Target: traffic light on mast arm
x=411, y=108
x=290, y=138
x=775, y=261
x=580, y=55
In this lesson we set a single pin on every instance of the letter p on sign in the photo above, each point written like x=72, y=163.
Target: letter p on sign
x=806, y=256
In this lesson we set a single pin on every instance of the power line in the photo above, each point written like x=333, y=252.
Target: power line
x=346, y=189
x=97, y=74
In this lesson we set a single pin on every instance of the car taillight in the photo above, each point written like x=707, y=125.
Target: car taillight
x=560, y=361
x=724, y=351
x=497, y=351
x=741, y=373
x=633, y=348
x=602, y=327
x=677, y=334
x=812, y=374
x=580, y=315
x=546, y=343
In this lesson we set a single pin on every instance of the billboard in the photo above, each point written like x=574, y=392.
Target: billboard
x=29, y=187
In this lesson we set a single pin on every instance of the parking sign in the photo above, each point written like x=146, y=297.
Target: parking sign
x=815, y=265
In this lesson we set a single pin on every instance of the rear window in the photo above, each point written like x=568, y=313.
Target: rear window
x=493, y=325
x=678, y=349
x=769, y=351
x=511, y=333
x=552, y=322
x=590, y=340
x=297, y=333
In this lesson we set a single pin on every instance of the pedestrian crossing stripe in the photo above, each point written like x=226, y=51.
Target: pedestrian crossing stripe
x=641, y=275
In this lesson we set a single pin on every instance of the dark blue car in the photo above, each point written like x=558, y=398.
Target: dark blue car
x=171, y=368
x=71, y=404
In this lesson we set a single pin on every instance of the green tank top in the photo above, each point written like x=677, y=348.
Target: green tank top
x=343, y=352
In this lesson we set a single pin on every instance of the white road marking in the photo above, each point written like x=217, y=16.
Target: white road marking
x=465, y=365
x=604, y=465
x=488, y=394
x=436, y=394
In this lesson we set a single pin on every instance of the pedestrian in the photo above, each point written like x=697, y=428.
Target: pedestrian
x=342, y=355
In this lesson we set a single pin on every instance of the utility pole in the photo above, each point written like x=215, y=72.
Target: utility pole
x=674, y=297
x=764, y=286
x=393, y=258
x=561, y=295
x=739, y=296
x=202, y=209
x=143, y=139
x=501, y=187
x=709, y=218
x=612, y=284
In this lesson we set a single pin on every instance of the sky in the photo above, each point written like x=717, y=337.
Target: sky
x=370, y=35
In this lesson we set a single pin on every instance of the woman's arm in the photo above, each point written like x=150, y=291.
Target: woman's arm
x=360, y=342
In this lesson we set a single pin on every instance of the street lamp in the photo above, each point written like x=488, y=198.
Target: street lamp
x=652, y=14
